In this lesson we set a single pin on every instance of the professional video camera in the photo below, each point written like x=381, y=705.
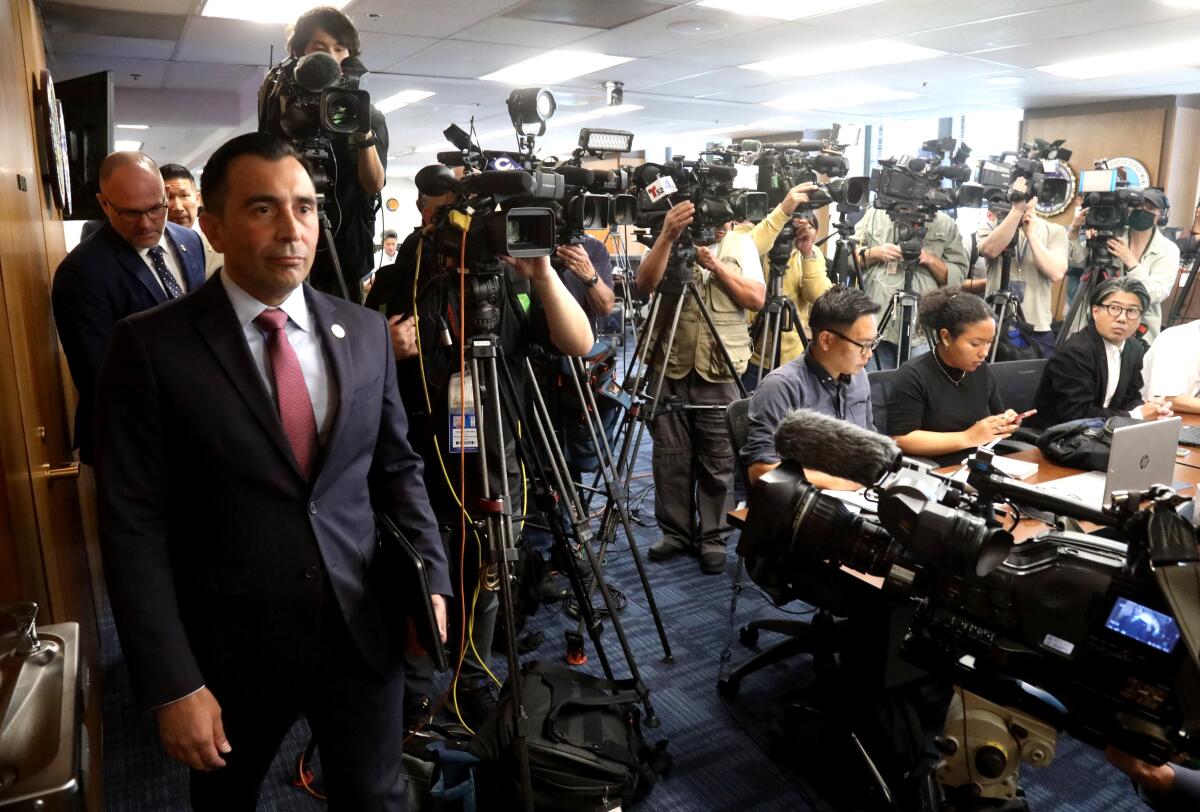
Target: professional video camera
x=1108, y=199
x=1035, y=162
x=913, y=188
x=595, y=199
x=708, y=182
x=1079, y=632
x=784, y=165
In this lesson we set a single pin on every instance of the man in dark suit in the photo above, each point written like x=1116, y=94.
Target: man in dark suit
x=132, y=263
x=245, y=434
x=1098, y=371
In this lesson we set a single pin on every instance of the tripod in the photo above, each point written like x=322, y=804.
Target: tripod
x=1100, y=266
x=845, y=269
x=497, y=400
x=910, y=235
x=779, y=314
x=1184, y=296
x=1004, y=302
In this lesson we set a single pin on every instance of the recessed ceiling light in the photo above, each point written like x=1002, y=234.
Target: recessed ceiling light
x=785, y=9
x=554, y=66
x=693, y=28
x=133, y=126
x=841, y=59
x=401, y=99
x=1005, y=81
x=840, y=97
x=127, y=146
x=262, y=11
x=1194, y=5
x=1166, y=55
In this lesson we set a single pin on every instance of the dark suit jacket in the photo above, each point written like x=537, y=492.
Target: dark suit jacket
x=1075, y=379
x=219, y=555
x=100, y=282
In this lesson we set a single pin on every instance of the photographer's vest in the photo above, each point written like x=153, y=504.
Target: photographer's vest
x=693, y=347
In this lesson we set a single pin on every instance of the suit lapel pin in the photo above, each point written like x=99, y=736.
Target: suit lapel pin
x=338, y=331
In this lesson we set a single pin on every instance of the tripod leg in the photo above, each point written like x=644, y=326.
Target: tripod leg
x=502, y=551
x=617, y=499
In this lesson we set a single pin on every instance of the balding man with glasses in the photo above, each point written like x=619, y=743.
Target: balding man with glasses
x=135, y=261
x=830, y=378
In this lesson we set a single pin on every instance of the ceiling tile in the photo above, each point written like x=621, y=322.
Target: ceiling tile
x=159, y=6
x=150, y=73
x=421, y=17
x=908, y=16
x=120, y=47
x=651, y=36
x=586, y=13
x=467, y=60
x=379, y=51
x=212, y=39
x=509, y=31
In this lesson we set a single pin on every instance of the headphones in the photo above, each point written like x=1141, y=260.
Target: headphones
x=1158, y=198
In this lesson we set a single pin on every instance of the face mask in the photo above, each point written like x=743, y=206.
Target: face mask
x=1141, y=220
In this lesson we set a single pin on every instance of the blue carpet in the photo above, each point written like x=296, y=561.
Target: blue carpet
x=720, y=750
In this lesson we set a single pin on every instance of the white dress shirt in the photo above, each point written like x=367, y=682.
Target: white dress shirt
x=169, y=258
x=1172, y=367
x=300, y=332
x=1112, y=354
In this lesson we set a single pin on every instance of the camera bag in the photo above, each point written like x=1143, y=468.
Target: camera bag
x=1084, y=443
x=586, y=750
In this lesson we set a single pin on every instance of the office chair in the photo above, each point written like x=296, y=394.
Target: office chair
x=819, y=636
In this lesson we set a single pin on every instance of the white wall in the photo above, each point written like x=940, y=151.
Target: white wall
x=406, y=217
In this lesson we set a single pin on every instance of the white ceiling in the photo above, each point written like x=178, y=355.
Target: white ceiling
x=194, y=79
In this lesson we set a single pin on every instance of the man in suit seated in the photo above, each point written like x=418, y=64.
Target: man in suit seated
x=246, y=435
x=1098, y=371
x=132, y=263
x=830, y=377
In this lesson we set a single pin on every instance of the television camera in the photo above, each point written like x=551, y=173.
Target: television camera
x=709, y=182
x=784, y=165
x=1037, y=163
x=1067, y=631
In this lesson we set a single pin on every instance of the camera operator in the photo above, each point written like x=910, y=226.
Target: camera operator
x=943, y=262
x=360, y=160
x=1167, y=787
x=1189, y=239
x=805, y=277
x=1143, y=252
x=829, y=378
x=1040, y=260
x=416, y=298
x=692, y=455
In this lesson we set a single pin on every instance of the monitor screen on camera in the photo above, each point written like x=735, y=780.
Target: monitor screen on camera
x=1140, y=623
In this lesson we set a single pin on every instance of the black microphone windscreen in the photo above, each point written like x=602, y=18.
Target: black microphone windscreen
x=576, y=176
x=353, y=67
x=435, y=180
x=318, y=71
x=836, y=447
x=451, y=157
x=499, y=182
x=723, y=172
x=602, y=177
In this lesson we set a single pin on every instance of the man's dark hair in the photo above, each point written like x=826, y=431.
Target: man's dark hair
x=214, y=180
x=389, y=234
x=951, y=309
x=1120, y=284
x=838, y=308
x=327, y=19
x=176, y=172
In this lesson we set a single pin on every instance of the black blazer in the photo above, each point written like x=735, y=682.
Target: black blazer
x=1075, y=379
x=218, y=554
x=100, y=282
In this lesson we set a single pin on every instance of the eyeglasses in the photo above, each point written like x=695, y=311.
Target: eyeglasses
x=1114, y=310
x=133, y=215
x=864, y=347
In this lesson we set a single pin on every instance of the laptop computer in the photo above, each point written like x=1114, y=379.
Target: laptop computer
x=1142, y=455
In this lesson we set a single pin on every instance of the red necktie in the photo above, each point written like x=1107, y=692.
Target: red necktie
x=291, y=395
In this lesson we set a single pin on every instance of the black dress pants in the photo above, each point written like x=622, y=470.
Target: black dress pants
x=354, y=712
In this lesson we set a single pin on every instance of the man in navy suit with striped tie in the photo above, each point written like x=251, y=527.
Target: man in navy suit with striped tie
x=134, y=262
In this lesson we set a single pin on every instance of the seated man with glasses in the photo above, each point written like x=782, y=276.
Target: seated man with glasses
x=1098, y=371
x=134, y=262
x=830, y=377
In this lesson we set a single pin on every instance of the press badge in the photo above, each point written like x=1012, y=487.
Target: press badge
x=464, y=435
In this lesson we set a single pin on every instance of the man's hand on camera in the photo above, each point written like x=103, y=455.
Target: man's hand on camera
x=889, y=252
x=1120, y=249
x=533, y=267
x=1080, y=215
x=797, y=195
x=677, y=219
x=1157, y=780
x=404, y=336
x=1028, y=217
x=706, y=258
x=577, y=261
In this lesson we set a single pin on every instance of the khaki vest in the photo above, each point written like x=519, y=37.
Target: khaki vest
x=693, y=347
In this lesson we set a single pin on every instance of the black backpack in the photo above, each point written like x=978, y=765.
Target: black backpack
x=586, y=750
x=1084, y=443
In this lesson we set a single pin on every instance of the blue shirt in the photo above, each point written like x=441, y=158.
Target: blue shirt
x=803, y=384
